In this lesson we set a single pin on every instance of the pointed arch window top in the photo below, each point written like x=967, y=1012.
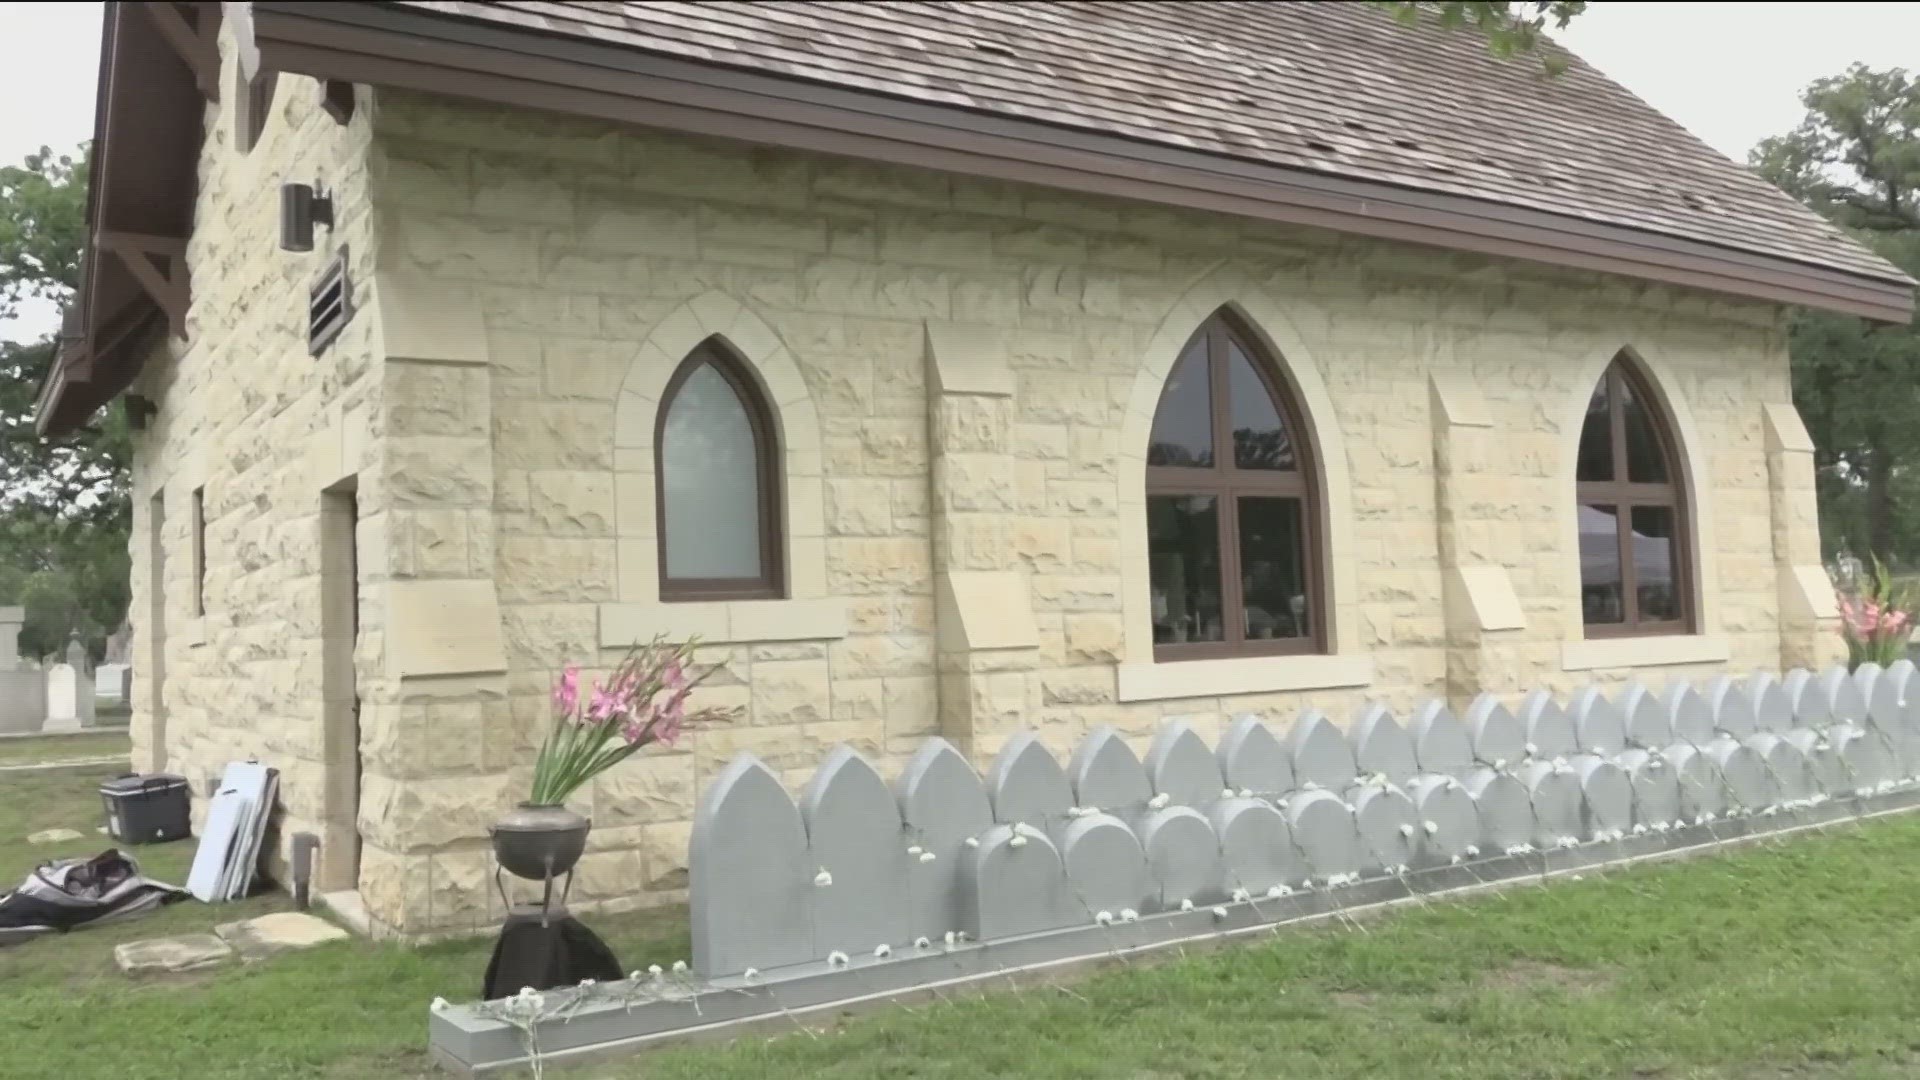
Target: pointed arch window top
x=717, y=479
x=1635, y=569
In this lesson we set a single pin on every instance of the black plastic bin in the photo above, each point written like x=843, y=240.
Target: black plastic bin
x=148, y=809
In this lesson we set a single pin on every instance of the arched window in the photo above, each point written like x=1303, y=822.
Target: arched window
x=1634, y=577
x=1232, y=510
x=718, y=482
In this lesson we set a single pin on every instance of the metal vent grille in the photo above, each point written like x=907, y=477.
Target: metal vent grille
x=329, y=304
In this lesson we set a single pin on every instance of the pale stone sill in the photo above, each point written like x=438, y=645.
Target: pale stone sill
x=193, y=631
x=724, y=622
x=1241, y=675
x=1660, y=650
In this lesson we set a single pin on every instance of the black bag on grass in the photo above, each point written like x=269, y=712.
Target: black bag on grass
x=71, y=893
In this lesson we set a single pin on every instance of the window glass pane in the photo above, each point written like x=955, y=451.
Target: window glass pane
x=1259, y=435
x=1273, y=575
x=1183, y=426
x=1596, y=438
x=709, y=471
x=1183, y=552
x=1601, y=591
x=1646, y=462
x=1653, y=560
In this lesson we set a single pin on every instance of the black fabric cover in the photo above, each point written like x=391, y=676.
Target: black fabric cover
x=544, y=957
x=70, y=893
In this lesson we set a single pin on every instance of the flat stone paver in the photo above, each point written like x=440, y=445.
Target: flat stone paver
x=52, y=836
x=188, y=952
x=283, y=931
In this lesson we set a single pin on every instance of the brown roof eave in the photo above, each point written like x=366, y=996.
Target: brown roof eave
x=387, y=45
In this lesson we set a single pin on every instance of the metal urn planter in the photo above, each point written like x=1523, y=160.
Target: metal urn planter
x=539, y=843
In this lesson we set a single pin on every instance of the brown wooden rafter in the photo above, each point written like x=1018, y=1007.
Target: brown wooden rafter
x=191, y=30
x=159, y=264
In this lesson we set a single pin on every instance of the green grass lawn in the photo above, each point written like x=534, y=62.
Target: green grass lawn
x=1800, y=959
x=92, y=744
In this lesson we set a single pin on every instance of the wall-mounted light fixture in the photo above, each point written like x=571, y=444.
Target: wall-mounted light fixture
x=139, y=411
x=302, y=206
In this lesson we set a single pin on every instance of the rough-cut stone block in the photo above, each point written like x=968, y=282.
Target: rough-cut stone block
x=188, y=952
x=282, y=931
x=1440, y=742
x=1180, y=766
x=1504, y=808
x=1498, y=739
x=1253, y=759
x=1597, y=725
x=1014, y=883
x=1649, y=723
x=1388, y=826
x=1449, y=824
x=1027, y=784
x=1257, y=847
x=1183, y=857
x=942, y=806
x=750, y=889
x=1106, y=775
x=854, y=835
x=1323, y=828
x=1105, y=866
x=1319, y=752
x=1381, y=746
x=1549, y=730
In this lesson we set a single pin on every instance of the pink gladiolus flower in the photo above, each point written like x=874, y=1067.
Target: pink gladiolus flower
x=674, y=676
x=566, y=691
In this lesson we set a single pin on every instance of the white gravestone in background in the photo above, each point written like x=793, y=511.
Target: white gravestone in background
x=70, y=692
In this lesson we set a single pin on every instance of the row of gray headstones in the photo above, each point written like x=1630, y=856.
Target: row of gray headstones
x=945, y=854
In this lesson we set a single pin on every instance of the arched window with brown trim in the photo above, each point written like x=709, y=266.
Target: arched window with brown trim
x=717, y=482
x=1233, y=507
x=1632, y=507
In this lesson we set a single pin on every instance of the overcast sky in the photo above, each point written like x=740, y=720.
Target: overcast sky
x=1731, y=73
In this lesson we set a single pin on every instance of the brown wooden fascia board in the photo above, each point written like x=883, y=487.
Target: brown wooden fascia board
x=404, y=48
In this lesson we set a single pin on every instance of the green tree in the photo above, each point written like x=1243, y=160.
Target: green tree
x=1856, y=159
x=1510, y=28
x=64, y=510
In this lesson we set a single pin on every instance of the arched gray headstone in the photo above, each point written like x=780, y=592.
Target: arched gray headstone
x=1606, y=798
x=1440, y=743
x=750, y=884
x=1495, y=733
x=1701, y=791
x=1449, y=824
x=1183, y=856
x=1792, y=773
x=942, y=804
x=1027, y=784
x=1180, y=766
x=1597, y=724
x=1864, y=678
x=1506, y=813
x=1009, y=888
x=1554, y=791
x=1323, y=829
x=1887, y=702
x=1824, y=764
x=1649, y=722
x=1320, y=752
x=855, y=834
x=1772, y=710
x=1748, y=785
x=1865, y=759
x=1381, y=745
x=1811, y=709
x=1656, y=788
x=1106, y=775
x=1842, y=695
x=1549, y=731
x=1692, y=717
x=1257, y=847
x=1733, y=711
x=1389, y=828
x=1253, y=759
x=1106, y=867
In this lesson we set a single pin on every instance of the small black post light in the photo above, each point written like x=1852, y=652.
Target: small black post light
x=302, y=206
x=140, y=410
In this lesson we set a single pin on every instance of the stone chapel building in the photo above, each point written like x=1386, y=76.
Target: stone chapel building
x=948, y=368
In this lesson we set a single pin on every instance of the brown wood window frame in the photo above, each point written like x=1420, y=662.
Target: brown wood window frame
x=770, y=584
x=1227, y=484
x=1624, y=495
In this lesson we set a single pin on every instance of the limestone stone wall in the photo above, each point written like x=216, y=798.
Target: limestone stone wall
x=964, y=371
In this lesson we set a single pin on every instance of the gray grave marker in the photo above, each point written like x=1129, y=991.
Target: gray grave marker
x=1733, y=711
x=1506, y=813
x=1449, y=825
x=1597, y=725
x=1554, y=791
x=1381, y=745
x=1828, y=770
x=1648, y=720
x=1549, y=731
x=1606, y=798
x=1865, y=759
x=1691, y=715
x=1811, y=709
x=750, y=882
x=1748, y=785
x=1791, y=772
x=1772, y=709
x=1388, y=826
x=1106, y=775
x=1842, y=695
x=1106, y=867
x=1027, y=784
x=943, y=805
x=1180, y=766
x=1320, y=752
x=1184, y=856
x=854, y=833
x=1701, y=790
x=1014, y=883
x=1257, y=847
x=1253, y=759
x=1656, y=788
x=1498, y=738
x=1864, y=678
x=1440, y=743
x=1323, y=828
